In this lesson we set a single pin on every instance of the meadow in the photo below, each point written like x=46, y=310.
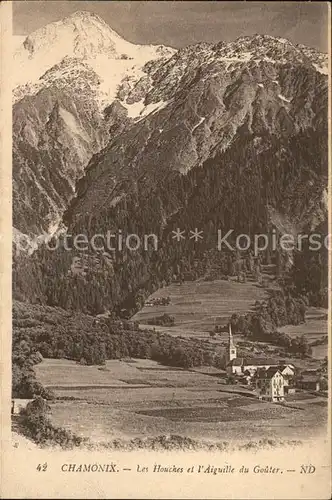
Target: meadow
x=315, y=328
x=198, y=306
x=135, y=398
x=131, y=398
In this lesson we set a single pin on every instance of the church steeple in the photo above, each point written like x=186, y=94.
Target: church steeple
x=231, y=351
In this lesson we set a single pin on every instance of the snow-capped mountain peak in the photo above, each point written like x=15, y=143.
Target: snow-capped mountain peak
x=83, y=35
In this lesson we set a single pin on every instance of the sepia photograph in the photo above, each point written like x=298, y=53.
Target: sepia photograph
x=171, y=239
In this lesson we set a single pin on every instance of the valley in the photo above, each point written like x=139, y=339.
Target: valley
x=136, y=398
x=132, y=398
x=198, y=306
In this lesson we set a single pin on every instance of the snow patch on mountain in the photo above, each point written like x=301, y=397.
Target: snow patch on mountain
x=153, y=107
x=324, y=70
x=201, y=120
x=72, y=124
x=111, y=74
x=283, y=98
x=141, y=110
x=243, y=57
x=135, y=109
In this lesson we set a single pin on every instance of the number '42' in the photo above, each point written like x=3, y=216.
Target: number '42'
x=42, y=467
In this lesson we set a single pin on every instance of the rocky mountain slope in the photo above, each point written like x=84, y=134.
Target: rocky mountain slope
x=55, y=133
x=65, y=74
x=214, y=136
x=194, y=106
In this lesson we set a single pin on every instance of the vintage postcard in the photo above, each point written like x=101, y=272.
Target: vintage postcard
x=165, y=245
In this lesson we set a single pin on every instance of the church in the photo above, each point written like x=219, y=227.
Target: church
x=271, y=379
x=249, y=366
x=243, y=366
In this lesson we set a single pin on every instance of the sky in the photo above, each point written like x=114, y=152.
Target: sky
x=181, y=23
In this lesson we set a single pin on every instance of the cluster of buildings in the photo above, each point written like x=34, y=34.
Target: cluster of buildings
x=158, y=301
x=271, y=380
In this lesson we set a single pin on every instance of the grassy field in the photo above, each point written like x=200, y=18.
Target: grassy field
x=315, y=327
x=138, y=398
x=198, y=306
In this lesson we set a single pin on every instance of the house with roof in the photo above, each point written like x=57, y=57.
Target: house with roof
x=288, y=372
x=19, y=404
x=309, y=382
x=270, y=385
x=239, y=366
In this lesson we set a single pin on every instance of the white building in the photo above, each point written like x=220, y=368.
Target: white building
x=270, y=385
x=19, y=404
x=288, y=372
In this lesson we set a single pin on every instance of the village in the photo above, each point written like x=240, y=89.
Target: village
x=270, y=380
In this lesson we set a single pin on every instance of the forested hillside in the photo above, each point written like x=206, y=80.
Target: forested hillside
x=241, y=189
